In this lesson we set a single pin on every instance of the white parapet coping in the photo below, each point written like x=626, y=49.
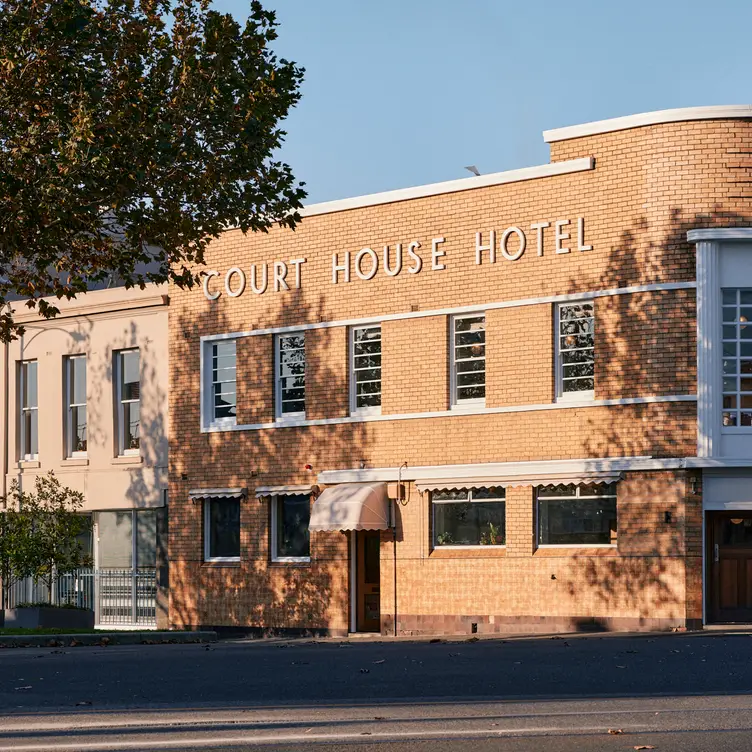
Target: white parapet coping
x=451, y=186
x=713, y=112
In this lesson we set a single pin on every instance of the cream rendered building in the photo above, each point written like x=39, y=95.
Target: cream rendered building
x=85, y=395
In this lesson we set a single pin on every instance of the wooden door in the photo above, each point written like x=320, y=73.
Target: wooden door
x=730, y=556
x=368, y=580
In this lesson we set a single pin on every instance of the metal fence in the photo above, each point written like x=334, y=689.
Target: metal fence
x=119, y=597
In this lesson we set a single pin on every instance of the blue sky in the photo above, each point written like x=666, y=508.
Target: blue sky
x=402, y=93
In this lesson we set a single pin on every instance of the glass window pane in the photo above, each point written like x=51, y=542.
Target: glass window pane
x=78, y=429
x=293, y=517
x=469, y=352
x=146, y=538
x=77, y=371
x=224, y=528
x=130, y=375
x=115, y=533
x=576, y=521
x=291, y=373
x=469, y=524
x=29, y=384
x=131, y=425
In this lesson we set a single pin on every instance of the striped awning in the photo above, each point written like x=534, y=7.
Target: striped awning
x=285, y=490
x=199, y=494
x=453, y=484
x=351, y=506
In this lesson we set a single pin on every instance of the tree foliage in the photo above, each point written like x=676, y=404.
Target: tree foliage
x=132, y=132
x=39, y=533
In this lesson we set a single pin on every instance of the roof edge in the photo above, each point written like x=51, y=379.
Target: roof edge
x=712, y=112
x=451, y=186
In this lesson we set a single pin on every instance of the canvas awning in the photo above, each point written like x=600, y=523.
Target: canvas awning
x=199, y=494
x=452, y=484
x=285, y=490
x=351, y=506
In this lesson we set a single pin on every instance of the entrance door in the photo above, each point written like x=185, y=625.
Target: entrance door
x=367, y=581
x=730, y=556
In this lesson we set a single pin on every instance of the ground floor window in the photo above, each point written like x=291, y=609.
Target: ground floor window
x=127, y=539
x=291, y=516
x=469, y=517
x=222, y=529
x=576, y=515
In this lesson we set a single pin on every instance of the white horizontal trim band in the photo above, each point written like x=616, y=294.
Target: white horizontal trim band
x=713, y=112
x=451, y=186
x=658, y=287
x=527, y=469
x=720, y=233
x=464, y=411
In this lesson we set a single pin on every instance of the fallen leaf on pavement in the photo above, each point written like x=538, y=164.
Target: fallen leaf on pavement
x=644, y=746
x=379, y=718
x=616, y=731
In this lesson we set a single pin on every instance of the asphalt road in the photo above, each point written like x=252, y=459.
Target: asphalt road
x=682, y=692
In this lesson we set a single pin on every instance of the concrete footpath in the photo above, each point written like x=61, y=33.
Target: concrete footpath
x=100, y=639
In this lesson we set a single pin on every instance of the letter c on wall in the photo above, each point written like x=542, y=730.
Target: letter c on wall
x=228, y=279
x=207, y=277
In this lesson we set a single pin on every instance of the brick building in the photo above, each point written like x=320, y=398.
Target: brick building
x=509, y=402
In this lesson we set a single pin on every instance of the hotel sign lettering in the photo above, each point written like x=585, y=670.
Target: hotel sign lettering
x=558, y=237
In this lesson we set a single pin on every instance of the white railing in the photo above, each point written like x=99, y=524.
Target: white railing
x=119, y=597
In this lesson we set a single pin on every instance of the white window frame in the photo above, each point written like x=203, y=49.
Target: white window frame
x=301, y=414
x=561, y=395
x=207, y=524
x=274, y=525
x=354, y=409
x=570, y=498
x=209, y=419
x=470, y=499
x=456, y=403
x=736, y=429
x=69, y=405
x=24, y=408
x=122, y=451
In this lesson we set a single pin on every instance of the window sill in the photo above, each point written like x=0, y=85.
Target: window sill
x=221, y=563
x=75, y=461
x=293, y=419
x=127, y=459
x=467, y=552
x=29, y=464
x=298, y=561
x=576, y=397
x=462, y=407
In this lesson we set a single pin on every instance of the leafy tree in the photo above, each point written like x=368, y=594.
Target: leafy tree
x=132, y=132
x=15, y=549
x=44, y=526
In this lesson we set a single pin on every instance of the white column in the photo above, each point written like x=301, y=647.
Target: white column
x=709, y=385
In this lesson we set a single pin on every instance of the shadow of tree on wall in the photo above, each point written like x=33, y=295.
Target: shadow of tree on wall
x=258, y=594
x=646, y=346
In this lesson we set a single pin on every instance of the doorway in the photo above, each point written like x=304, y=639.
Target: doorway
x=366, y=603
x=729, y=536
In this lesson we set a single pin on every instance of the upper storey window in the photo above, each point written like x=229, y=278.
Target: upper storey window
x=128, y=368
x=28, y=417
x=575, y=351
x=223, y=386
x=737, y=358
x=365, y=375
x=75, y=412
x=290, y=380
x=468, y=348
